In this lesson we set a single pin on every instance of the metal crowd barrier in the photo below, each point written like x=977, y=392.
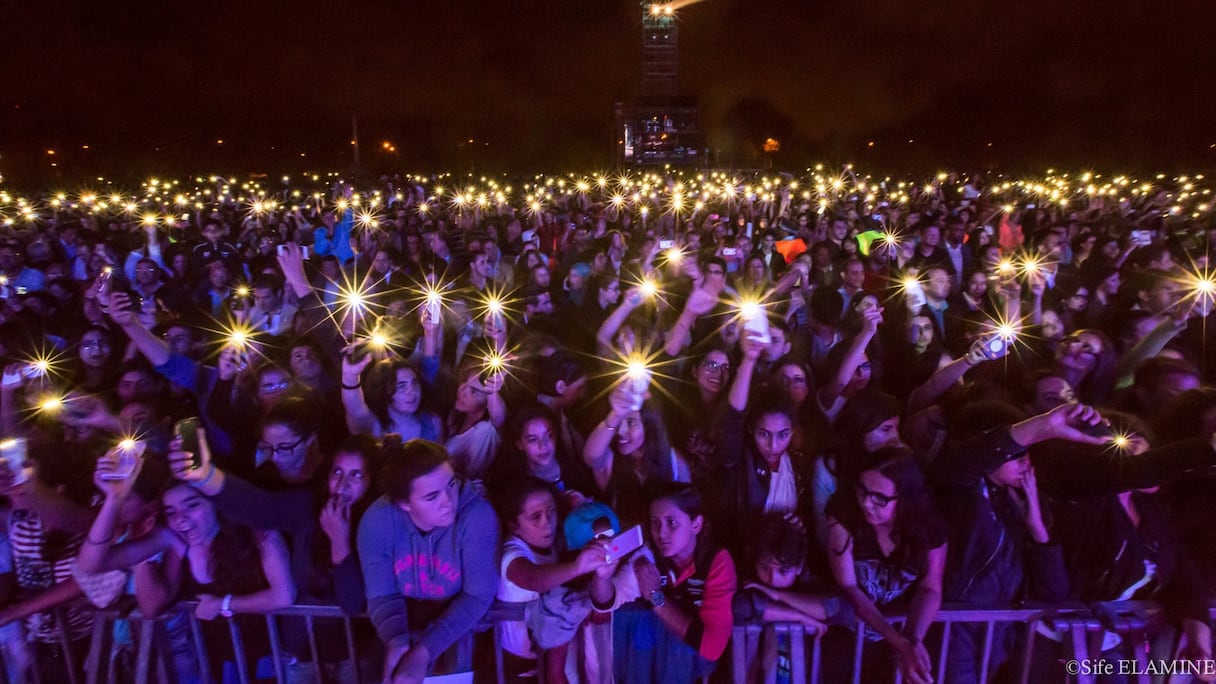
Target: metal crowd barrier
x=99, y=667
x=1080, y=623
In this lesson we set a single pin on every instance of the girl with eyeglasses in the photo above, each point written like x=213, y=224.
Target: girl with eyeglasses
x=99, y=354
x=693, y=410
x=887, y=545
x=869, y=421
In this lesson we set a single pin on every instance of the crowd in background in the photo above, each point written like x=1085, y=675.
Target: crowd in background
x=819, y=404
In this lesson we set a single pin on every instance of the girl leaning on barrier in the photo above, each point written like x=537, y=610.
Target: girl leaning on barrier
x=427, y=548
x=194, y=554
x=887, y=545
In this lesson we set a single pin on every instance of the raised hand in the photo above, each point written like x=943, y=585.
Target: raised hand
x=187, y=466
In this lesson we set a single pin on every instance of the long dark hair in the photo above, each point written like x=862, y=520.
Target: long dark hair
x=919, y=526
x=509, y=452
x=236, y=560
x=382, y=385
x=688, y=499
x=862, y=413
x=1099, y=382
x=656, y=448
x=368, y=449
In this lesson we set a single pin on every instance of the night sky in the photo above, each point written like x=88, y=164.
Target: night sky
x=151, y=86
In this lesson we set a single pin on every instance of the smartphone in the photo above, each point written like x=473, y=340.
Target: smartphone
x=13, y=453
x=624, y=544
x=1099, y=430
x=638, y=382
x=33, y=370
x=1142, y=237
x=360, y=350
x=126, y=455
x=997, y=345
x=1032, y=206
x=666, y=243
x=282, y=249
x=186, y=430
x=103, y=281
x=135, y=303
x=730, y=251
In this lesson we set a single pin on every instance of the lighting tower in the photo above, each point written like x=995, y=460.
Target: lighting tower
x=660, y=50
x=659, y=127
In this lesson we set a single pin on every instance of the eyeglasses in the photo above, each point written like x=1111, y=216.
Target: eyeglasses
x=271, y=387
x=94, y=344
x=715, y=367
x=794, y=381
x=267, y=451
x=879, y=499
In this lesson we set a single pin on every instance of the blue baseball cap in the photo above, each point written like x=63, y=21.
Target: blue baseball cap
x=581, y=525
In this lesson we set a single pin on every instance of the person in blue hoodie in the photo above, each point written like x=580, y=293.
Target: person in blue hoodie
x=428, y=552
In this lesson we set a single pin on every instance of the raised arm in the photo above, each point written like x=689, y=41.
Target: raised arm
x=608, y=330
x=854, y=356
x=597, y=451
x=740, y=387
x=947, y=376
x=700, y=302
x=359, y=418
x=152, y=347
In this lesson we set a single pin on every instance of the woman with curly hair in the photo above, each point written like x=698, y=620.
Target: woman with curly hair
x=391, y=401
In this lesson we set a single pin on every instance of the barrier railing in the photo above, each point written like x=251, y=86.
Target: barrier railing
x=1078, y=623
x=1081, y=627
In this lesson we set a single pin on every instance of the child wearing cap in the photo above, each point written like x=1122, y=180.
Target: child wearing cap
x=530, y=570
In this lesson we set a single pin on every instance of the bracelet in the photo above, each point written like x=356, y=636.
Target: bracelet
x=203, y=482
x=355, y=386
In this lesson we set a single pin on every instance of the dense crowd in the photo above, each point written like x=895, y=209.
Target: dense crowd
x=816, y=407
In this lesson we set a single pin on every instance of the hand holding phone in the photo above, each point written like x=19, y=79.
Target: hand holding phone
x=623, y=544
x=186, y=430
x=123, y=459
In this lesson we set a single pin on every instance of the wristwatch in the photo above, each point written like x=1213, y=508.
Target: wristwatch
x=657, y=599
x=226, y=606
